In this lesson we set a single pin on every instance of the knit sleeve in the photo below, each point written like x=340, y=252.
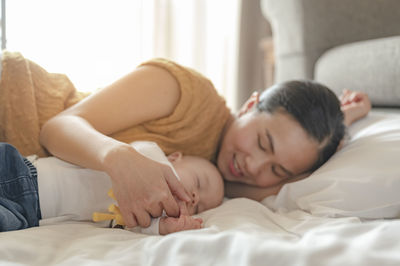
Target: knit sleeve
x=195, y=126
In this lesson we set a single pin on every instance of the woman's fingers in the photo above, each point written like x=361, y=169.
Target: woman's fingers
x=349, y=97
x=176, y=187
x=143, y=218
x=132, y=221
x=171, y=206
x=129, y=217
x=346, y=97
x=155, y=210
x=137, y=216
x=355, y=105
x=125, y=208
x=342, y=97
x=183, y=208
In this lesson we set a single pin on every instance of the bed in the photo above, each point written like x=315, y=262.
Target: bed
x=345, y=213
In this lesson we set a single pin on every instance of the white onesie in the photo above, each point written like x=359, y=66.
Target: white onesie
x=70, y=192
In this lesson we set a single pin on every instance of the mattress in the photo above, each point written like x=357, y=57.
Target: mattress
x=343, y=214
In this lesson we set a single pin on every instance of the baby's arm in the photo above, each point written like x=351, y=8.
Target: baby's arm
x=169, y=225
x=165, y=225
x=183, y=222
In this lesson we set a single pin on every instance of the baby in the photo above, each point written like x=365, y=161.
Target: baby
x=201, y=180
x=64, y=191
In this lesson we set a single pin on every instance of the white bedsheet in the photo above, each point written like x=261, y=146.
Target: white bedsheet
x=284, y=231
x=239, y=232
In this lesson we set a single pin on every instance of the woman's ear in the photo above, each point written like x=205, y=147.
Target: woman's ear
x=340, y=146
x=299, y=177
x=175, y=156
x=249, y=104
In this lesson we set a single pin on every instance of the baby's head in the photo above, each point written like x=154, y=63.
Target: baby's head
x=201, y=180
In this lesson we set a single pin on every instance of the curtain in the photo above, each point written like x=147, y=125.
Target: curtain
x=96, y=41
x=253, y=62
x=223, y=39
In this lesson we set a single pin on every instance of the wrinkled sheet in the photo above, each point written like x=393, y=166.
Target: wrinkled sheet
x=239, y=232
x=281, y=230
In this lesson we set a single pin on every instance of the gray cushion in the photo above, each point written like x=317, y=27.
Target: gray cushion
x=371, y=66
x=304, y=29
x=385, y=110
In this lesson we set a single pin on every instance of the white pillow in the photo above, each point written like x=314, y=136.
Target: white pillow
x=362, y=179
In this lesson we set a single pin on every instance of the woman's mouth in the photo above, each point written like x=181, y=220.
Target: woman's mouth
x=234, y=167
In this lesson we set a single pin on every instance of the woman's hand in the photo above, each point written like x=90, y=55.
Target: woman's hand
x=143, y=187
x=355, y=105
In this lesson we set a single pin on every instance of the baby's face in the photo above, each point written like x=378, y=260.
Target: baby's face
x=201, y=180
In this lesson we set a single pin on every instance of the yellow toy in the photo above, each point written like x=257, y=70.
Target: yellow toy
x=169, y=225
x=114, y=214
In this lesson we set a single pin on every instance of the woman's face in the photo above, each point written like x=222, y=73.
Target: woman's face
x=265, y=149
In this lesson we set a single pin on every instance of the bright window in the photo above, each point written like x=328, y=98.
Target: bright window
x=95, y=42
x=92, y=41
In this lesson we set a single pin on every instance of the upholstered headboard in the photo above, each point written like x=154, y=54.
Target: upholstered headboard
x=324, y=40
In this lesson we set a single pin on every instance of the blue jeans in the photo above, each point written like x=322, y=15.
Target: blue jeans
x=19, y=199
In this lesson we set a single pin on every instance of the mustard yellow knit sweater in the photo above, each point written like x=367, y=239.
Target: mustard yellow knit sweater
x=29, y=96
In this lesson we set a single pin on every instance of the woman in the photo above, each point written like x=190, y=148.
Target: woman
x=304, y=124
x=263, y=147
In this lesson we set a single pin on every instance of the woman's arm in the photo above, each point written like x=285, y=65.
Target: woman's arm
x=145, y=94
x=79, y=135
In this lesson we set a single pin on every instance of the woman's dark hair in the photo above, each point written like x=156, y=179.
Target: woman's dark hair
x=314, y=106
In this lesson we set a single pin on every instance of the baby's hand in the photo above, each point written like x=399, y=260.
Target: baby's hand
x=355, y=105
x=184, y=222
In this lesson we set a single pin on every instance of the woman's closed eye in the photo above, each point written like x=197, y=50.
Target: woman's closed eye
x=268, y=146
x=275, y=172
x=280, y=172
x=260, y=145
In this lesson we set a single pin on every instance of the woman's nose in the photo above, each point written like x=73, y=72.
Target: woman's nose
x=256, y=164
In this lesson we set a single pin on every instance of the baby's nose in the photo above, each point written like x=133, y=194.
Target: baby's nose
x=195, y=198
